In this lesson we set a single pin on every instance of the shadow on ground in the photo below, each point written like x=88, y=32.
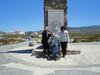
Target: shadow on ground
x=73, y=52
x=27, y=51
x=39, y=54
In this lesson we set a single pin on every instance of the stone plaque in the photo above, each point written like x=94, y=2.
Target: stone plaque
x=55, y=20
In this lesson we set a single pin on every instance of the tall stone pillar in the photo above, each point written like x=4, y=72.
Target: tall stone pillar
x=55, y=13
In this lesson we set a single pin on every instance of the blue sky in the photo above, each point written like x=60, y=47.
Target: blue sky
x=28, y=14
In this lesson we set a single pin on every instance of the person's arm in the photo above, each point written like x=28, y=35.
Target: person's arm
x=58, y=36
x=68, y=39
x=49, y=40
x=67, y=35
x=43, y=37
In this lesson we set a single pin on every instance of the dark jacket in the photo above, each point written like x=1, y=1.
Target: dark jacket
x=45, y=37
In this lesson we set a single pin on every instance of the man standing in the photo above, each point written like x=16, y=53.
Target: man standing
x=64, y=39
x=45, y=36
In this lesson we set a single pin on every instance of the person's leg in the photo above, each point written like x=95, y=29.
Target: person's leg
x=48, y=49
x=44, y=49
x=64, y=49
x=63, y=46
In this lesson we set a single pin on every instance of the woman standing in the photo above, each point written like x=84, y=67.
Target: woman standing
x=64, y=39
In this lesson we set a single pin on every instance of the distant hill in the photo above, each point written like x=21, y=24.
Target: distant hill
x=86, y=27
x=95, y=29
x=86, y=33
x=2, y=32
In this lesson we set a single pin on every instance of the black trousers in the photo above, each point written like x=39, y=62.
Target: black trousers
x=46, y=49
x=64, y=47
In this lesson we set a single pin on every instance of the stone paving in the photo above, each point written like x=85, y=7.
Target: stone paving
x=18, y=61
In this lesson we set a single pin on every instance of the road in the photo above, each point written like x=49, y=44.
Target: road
x=6, y=47
x=5, y=58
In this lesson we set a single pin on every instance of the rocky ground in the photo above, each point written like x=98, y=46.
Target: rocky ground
x=81, y=59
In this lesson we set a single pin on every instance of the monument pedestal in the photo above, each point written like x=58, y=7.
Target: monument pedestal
x=55, y=13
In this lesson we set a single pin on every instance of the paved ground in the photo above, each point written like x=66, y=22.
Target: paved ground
x=7, y=47
x=74, y=72
x=5, y=58
x=17, y=60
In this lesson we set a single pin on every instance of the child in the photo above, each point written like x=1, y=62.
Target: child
x=54, y=46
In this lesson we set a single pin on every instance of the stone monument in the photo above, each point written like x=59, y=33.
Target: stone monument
x=55, y=13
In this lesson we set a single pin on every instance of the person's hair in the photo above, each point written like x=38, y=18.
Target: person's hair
x=63, y=27
x=46, y=28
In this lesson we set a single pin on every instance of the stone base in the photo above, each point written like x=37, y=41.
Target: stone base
x=37, y=53
x=69, y=52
